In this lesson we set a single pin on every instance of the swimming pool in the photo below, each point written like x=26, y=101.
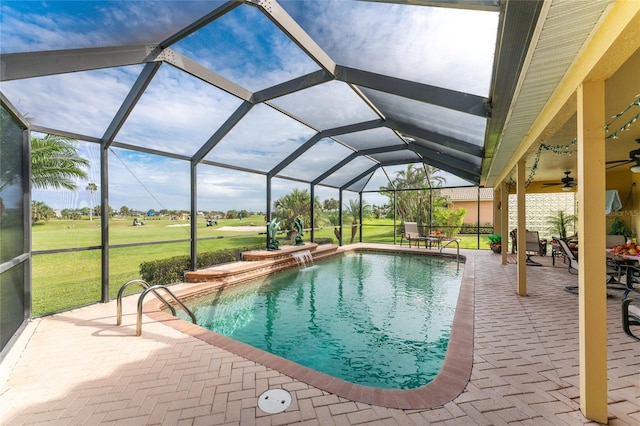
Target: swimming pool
x=373, y=319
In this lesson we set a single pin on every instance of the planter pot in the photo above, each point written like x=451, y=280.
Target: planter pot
x=496, y=249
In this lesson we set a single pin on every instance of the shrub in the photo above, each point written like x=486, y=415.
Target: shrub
x=171, y=270
x=472, y=228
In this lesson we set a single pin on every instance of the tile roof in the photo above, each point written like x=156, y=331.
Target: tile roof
x=467, y=193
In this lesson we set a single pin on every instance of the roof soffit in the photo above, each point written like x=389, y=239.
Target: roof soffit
x=562, y=32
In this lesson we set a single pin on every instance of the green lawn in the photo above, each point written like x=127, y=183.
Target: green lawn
x=65, y=280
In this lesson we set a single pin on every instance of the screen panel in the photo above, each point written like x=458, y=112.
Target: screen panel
x=374, y=138
x=350, y=171
x=11, y=187
x=261, y=140
x=177, y=113
x=83, y=103
x=250, y=50
x=68, y=25
x=459, y=125
x=317, y=160
x=327, y=105
x=446, y=47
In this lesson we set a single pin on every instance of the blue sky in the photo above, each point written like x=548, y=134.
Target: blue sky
x=179, y=112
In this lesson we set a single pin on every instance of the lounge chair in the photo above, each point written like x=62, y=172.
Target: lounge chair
x=556, y=251
x=573, y=266
x=411, y=233
x=568, y=255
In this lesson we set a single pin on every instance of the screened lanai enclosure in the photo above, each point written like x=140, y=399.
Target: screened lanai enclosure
x=187, y=117
x=230, y=105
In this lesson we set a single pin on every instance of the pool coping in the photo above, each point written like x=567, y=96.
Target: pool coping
x=446, y=386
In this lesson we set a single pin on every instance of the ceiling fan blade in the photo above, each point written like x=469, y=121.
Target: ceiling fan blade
x=553, y=184
x=620, y=163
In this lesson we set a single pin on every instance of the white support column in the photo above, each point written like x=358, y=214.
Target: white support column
x=592, y=258
x=522, y=230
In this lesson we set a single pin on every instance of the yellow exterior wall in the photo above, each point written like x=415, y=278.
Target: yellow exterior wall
x=622, y=181
x=626, y=80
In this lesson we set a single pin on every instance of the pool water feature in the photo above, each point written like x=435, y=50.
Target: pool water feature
x=373, y=319
x=303, y=259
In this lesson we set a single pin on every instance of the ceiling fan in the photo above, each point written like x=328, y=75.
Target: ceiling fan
x=634, y=157
x=567, y=182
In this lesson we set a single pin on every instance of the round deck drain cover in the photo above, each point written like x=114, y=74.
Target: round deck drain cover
x=274, y=401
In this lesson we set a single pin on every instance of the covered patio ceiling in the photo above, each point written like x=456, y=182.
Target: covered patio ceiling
x=541, y=127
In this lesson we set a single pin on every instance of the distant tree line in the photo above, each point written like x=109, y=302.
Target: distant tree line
x=414, y=195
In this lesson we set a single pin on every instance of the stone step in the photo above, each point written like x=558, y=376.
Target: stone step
x=262, y=263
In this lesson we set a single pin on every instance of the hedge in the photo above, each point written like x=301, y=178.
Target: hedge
x=171, y=270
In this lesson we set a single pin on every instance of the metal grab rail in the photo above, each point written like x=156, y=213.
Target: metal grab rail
x=457, y=247
x=144, y=284
x=153, y=289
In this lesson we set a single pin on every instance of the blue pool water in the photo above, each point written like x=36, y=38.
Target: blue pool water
x=379, y=320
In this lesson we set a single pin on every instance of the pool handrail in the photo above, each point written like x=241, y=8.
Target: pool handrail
x=457, y=241
x=144, y=284
x=175, y=298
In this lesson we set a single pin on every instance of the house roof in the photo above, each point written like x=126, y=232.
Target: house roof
x=468, y=194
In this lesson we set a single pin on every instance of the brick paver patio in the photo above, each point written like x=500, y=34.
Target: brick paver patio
x=77, y=367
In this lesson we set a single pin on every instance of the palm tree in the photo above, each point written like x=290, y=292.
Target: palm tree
x=415, y=203
x=91, y=187
x=353, y=210
x=294, y=204
x=560, y=221
x=40, y=212
x=55, y=163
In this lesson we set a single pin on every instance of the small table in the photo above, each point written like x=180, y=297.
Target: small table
x=437, y=239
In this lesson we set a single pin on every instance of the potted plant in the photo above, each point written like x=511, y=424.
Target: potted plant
x=495, y=242
x=620, y=227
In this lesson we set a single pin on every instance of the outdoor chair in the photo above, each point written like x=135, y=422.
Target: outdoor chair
x=514, y=240
x=556, y=251
x=533, y=246
x=573, y=266
x=411, y=233
x=624, y=267
x=631, y=314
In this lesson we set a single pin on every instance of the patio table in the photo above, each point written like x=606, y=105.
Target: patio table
x=625, y=264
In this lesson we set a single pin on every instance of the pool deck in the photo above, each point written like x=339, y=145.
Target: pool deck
x=78, y=367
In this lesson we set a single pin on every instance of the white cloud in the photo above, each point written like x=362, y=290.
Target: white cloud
x=83, y=102
x=48, y=25
x=452, y=48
